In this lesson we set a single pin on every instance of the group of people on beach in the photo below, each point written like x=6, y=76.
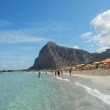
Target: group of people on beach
x=105, y=64
x=58, y=72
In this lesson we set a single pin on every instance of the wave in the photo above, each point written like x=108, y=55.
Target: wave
x=63, y=79
x=96, y=93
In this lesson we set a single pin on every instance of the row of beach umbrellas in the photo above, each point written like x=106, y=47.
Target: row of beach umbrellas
x=103, y=61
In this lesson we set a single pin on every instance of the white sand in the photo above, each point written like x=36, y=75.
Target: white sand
x=105, y=80
x=100, y=76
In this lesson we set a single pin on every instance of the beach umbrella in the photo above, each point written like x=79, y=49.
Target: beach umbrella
x=82, y=64
x=105, y=61
x=88, y=64
x=77, y=65
x=96, y=62
x=108, y=59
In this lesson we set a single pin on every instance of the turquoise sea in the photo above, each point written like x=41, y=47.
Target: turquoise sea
x=25, y=91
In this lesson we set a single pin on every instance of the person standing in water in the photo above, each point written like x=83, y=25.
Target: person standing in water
x=39, y=74
x=46, y=72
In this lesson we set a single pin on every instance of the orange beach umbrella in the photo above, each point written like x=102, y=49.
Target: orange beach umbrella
x=105, y=61
x=108, y=59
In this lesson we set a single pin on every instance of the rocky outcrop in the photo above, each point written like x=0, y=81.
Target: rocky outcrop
x=55, y=56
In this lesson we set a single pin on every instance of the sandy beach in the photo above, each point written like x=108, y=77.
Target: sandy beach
x=95, y=80
x=104, y=80
x=99, y=76
x=93, y=85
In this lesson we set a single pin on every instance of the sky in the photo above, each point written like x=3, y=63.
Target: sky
x=27, y=25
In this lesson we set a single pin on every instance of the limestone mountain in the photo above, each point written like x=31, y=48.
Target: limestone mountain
x=55, y=56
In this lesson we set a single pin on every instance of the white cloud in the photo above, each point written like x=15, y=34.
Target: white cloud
x=18, y=62
x=48, y=27
x=88, y=35
x=26, y=48
x=76, y=47
x=19, y=36
x=5, y=23
x=101, y=35
x=36, y=33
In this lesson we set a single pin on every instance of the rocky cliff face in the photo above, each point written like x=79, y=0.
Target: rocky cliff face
x=54, y=56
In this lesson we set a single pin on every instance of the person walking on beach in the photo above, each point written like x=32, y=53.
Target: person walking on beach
x=58, y=72
x=70, y=70
x=61, y=71
x=39, y=74
x=55, y=73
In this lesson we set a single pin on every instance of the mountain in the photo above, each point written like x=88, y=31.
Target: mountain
x=55, y=56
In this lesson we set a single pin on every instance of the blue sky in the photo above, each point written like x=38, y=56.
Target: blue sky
x=27, y=25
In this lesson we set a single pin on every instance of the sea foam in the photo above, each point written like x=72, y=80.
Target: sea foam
x=96, y=93
x=63, y=79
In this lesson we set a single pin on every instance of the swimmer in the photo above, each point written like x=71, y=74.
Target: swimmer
x=39, y=75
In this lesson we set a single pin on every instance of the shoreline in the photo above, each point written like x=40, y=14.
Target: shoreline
x=95, y=81
x=99, y=76
x=104, y=80
x=98, y=83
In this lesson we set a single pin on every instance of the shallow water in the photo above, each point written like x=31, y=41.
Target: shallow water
x=25, y=91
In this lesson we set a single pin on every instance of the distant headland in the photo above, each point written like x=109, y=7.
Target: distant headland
x=53, y=56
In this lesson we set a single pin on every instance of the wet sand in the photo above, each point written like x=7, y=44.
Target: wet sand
x=101, y=83
x=97, y=91
x=96, y=79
